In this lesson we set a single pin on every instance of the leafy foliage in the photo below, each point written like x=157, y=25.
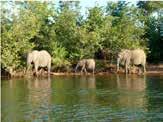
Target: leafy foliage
x=153, y=21
x=68, y=36
x=59, y=54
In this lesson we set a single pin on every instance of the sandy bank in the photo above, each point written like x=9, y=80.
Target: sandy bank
x=151, y=70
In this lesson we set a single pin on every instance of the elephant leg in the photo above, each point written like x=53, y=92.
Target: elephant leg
x=126, y=68
x=49, y=66
x=28, y=68
x=41, y=71
x=36, y=70
x=144, y=68
x=139, y=70
x=83, y=68
x=129, y=68
x=93, y=70
x=48, y=71
x=118, y=60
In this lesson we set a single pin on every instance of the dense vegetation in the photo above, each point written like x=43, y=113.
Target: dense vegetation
x=69, y=36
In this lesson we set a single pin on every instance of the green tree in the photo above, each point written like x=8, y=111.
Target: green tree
x=68, y=36
x=45, y=15
x=122, y=28
x=15, y=38
x=154, y=17
x=89, y=33
x=65, y=28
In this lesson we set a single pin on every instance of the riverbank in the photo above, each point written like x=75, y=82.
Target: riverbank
x=152, y=69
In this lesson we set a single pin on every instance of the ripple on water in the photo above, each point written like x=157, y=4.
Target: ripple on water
x=69, y=102
x=94, y=112
x=85, y=112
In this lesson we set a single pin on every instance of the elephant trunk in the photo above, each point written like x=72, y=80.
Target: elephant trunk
x=76, y=67
x=28, y=63
x=28, y=67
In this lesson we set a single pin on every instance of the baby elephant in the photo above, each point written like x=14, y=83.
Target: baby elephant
x=86, y=64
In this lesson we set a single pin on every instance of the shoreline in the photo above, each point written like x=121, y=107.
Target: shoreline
x=148, y=73
x=152, y=69
x=105, y=73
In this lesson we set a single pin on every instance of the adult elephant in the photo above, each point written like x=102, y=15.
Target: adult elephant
x=129, y=58
x=86, y=64
x=123, y=59
x=138, y=57
x=39, y=59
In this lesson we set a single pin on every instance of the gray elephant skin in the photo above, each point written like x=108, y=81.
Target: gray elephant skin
x=124, y=59
x=86, y=64
x=129, y=58
x=39, y=59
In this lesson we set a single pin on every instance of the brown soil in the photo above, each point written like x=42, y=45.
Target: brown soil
x=151, y=70
x=155, y=69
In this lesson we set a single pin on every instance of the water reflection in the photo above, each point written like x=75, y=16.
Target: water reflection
x=83, y=98
x=134, y=94
x=154, y=96
x=87, y=85
x=73, y=89
x=39, y=97
x=74, y=82
x=132, y=83
x=13, y=100
x=39, y=90
x=87, y=82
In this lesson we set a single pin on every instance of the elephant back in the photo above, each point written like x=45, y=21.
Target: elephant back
x=138, y=56
x=35, y=54
x=90, y=63
x=44, y=58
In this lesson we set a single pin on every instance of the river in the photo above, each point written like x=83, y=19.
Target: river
x=110, y=98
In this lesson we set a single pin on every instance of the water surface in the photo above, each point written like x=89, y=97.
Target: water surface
x=112, y=98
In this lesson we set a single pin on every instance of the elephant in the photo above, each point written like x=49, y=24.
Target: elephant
x=86, y=64
x=31, y=57
x=138, y=57
x=129, y=58
x=39, y=59
x=124, y=59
